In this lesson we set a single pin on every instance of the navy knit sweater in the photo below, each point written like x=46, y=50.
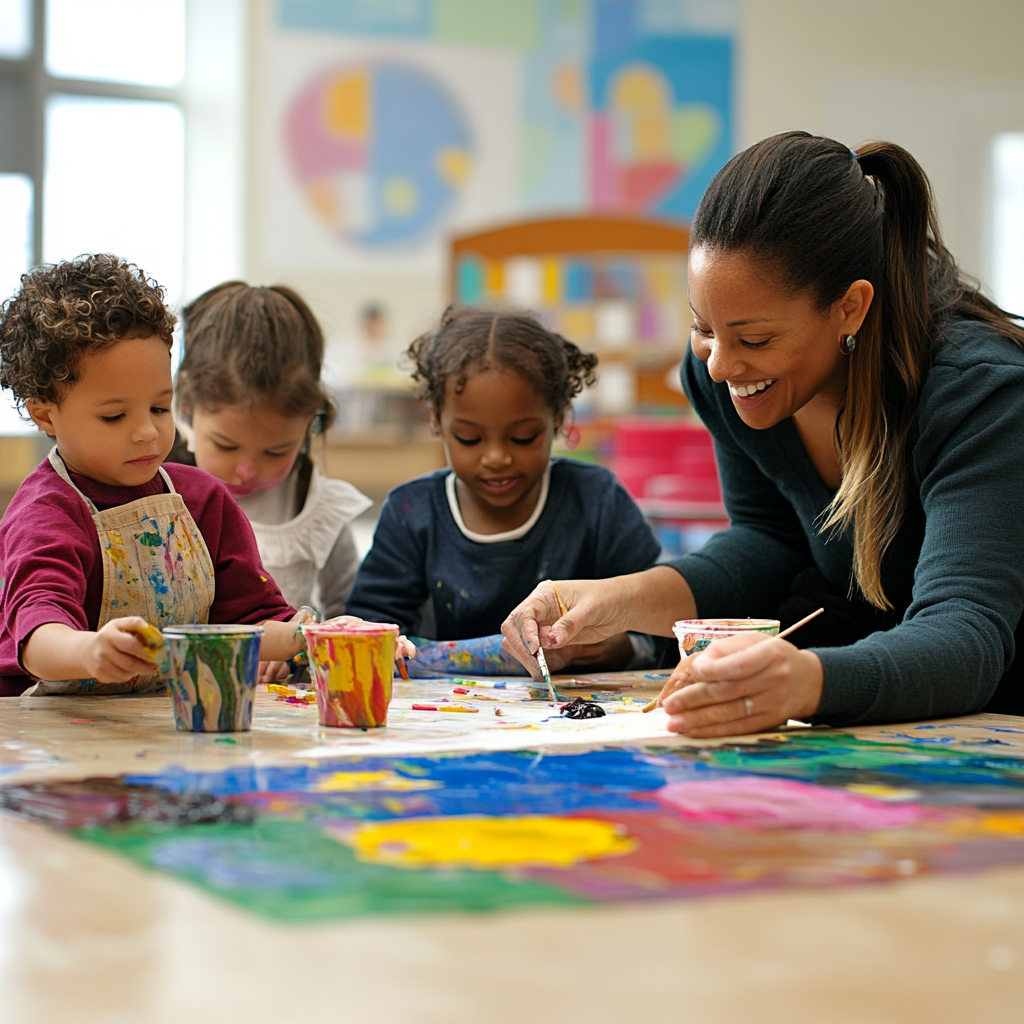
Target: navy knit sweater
x=425, y=574
x=954, y=573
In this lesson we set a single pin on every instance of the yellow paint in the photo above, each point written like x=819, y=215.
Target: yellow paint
x=347, y=107
x=489, y=843
x=551, y=280
x=453, y=164
x=1008, y=824
x=352, y=782
x=880, y=792
x=494, y=278
x=399, y=195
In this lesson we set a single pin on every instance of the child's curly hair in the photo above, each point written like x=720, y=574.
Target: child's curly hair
x=556, y=369
x=65, y=311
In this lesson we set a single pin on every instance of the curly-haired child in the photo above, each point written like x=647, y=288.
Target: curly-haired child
x=456, y=549
x=100, y=536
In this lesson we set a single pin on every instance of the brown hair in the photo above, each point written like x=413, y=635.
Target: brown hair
x=467, y=337
x=819, y=217
x=65, y=311
x=250, y=346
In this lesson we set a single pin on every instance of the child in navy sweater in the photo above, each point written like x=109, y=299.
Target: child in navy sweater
x=455, y=550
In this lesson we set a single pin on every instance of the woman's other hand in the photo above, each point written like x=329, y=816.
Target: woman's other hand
x=745, y=684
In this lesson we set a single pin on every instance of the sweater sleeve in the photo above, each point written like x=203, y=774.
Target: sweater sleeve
x=748, y=569
x=957, y=637
x=390, y=585
x=47, y=556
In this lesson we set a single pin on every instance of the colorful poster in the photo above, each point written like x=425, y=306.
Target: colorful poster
x=395, y=122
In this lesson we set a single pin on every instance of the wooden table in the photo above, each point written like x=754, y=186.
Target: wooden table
x=86, y=936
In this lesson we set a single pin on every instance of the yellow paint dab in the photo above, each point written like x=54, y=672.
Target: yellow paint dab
x=489, y=843
x=351, y=782
x=453, y=164
x=880, y=792
x=1009, y=824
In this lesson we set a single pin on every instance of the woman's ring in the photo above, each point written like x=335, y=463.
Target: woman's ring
x=748, y=704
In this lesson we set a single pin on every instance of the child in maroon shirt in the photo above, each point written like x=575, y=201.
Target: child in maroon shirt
x=100, y=537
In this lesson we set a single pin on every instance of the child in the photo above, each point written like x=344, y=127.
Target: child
x=99, y=537
x=250, y=396
x=455, y=550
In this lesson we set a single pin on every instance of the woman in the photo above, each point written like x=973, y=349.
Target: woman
x=867, y=407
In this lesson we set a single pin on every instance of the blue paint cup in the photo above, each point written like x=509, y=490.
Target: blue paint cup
x=213, y=676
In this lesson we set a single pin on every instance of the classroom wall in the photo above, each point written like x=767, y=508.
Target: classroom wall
x=940, y=77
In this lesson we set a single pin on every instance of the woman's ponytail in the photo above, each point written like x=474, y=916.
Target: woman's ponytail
x=887, y=372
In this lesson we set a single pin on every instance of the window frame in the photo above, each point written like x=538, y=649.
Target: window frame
x=28, y=155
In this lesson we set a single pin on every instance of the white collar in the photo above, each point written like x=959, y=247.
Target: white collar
x=497, y=538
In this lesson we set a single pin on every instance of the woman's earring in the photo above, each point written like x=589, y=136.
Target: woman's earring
x=847, y=344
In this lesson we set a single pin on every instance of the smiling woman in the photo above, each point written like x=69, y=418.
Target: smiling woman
x=867, y=407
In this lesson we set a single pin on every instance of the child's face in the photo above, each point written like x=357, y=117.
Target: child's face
x=114, y=425
x=498, y=434
x=250, y=449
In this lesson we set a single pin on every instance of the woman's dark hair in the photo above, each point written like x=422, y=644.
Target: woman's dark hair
x=818, y=217
x=65, y=311
x=252, y=346
x=477, y=339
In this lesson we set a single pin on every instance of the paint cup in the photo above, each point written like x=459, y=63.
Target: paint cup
x=695, y=634
x=353, y=665
x=213, y=675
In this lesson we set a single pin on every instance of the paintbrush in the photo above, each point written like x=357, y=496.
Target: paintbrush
x=558, y=597
x=792, y=629
x=543, y=662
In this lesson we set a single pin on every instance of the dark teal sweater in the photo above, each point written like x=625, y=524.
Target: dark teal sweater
x=954, y=573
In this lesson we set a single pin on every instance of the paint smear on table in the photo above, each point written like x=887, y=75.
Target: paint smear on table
x=484, y=832
x=481, y=656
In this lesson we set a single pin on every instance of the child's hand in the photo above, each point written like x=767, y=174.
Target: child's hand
x=404, y=647
x=275, y=671
x=115, y=654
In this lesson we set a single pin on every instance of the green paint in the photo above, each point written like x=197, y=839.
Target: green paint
x=218, y=653
x=224, y=739
x=151, y=540
x=283, y=853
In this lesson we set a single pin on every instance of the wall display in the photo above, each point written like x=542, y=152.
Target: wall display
x=382, y=127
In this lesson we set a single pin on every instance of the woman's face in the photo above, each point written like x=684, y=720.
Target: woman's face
x=775, y=350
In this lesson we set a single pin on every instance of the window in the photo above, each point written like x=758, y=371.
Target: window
x=1008, y=221
x=92, y=137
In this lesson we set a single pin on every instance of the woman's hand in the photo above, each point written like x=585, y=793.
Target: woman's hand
x=593, y=614
x=605, y=656
x=647, y=602
x=744, y=684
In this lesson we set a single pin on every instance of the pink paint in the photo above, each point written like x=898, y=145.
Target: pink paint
x=756, y=802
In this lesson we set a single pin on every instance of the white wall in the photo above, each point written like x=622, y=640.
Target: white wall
x=940, y=77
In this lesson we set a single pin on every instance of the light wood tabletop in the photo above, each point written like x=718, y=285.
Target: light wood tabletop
x=87, y=935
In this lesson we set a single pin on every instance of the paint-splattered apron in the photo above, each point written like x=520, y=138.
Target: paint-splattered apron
x=155, y=565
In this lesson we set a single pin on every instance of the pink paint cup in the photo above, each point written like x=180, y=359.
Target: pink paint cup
x=353, y=665
x=695, y=634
